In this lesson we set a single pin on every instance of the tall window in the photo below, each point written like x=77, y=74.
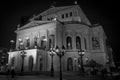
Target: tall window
x=40, y=64
x=62, y=16
x=50, y=41
x=85, y=43
x=30, y=63
x=69, y=42
x=78, y=42
x=71, y=14
x=40, y=17
x=69, y=64
x=43, y=42
x=66, y=15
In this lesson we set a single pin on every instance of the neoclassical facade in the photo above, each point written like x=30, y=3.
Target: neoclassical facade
x=58, y=26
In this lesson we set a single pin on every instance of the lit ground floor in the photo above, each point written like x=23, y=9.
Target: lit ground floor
x=40, y=60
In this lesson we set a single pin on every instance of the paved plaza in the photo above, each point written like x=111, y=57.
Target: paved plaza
x=66, y=76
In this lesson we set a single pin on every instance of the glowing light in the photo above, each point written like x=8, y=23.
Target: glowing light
x=45, y=39
x=27, y=38
x=12, y=41
x=20, y=39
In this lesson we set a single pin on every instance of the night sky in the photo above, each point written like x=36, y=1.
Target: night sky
x=104, y=12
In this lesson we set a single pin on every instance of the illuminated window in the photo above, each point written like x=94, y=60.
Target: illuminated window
x=43, y=42
x=69, y=42
x=78, y=42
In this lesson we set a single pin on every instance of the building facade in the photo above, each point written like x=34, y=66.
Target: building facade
x=58, y=26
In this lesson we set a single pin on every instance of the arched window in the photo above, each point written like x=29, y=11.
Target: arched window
x=85, y=43
x=78, y=42
x=40, y=64
x=50, y=41
x=69, y=64
x=43, y=42
x=35, y=42
x=69, y=42
x=30, y=63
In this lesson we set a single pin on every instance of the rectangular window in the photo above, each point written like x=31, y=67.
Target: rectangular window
x=66, y=15
x=48, y=19
x=62, y=16
x=71, y=14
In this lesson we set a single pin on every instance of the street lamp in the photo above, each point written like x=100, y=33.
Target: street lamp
x=52, y=53
x=23, y=54
x=81, y=54
x=60, y=53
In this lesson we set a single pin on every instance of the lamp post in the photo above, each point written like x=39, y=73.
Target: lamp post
x=52, y=53
x=23, y=54
x=60, y=53
x=81, y=54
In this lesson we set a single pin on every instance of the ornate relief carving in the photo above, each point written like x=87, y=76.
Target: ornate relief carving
x=95, y=43
x=66, y=33
x=70, y=33
x=79, y=33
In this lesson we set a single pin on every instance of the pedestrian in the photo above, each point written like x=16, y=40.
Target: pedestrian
x=12, y=72
x=8, y=72
x=102, y=71
x=105, y=72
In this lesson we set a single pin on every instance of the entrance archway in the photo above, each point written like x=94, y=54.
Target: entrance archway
x=30, y=63
x=40, y=64
x=69, y=64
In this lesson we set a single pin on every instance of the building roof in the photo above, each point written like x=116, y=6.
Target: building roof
x=53, y=10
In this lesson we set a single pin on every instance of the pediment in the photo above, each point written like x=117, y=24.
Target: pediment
x=55, y=9
x=33, y=24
